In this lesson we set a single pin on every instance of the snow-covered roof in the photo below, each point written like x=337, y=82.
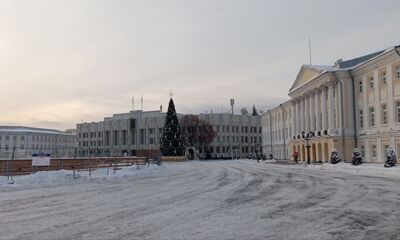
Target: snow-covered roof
x=323, y=68
x=20, y=129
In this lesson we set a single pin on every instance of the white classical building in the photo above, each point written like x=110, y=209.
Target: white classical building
x=277, y=131
x=354, y=103
x=25, y=141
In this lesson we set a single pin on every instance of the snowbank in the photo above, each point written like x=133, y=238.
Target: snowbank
x=63, y=177
x=372, y=169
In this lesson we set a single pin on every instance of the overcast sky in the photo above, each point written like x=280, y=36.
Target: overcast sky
x=63, y=62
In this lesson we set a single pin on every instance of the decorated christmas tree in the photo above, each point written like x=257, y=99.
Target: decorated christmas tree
x=335, y=158
x=390, y=158
x=171, y=139
x=357, y=158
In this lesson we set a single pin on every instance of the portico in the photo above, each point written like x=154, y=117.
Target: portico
x=315, y=104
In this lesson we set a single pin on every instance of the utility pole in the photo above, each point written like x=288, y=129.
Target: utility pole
x=231, y=128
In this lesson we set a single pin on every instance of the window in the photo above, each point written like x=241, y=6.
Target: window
x=361, y=116
x=371, y=83
x=373, y=151
x=151, y=136
x=384, y=114
x=141, y=136
x=398, y=149
x=115, y=137
x=107, y=138
x=385, y=148
x=398, y=72
x=383, y=77
x=133, y=137
x=363, y=151
x=371, y=116
x=124, y=137
x=22, y=138
x=7, y=138
x=360, y=84
x=398, y=111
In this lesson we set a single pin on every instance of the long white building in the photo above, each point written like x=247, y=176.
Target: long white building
x=139, y=131
x=25, y=141
x=353, y=103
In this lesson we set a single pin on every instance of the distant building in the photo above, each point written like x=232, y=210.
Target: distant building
x=121, y=134
x=25, y=141
x=138, y=131
x=236, y=135
x=71, y=131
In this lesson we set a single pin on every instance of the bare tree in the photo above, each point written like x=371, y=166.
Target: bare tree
x=196, y=132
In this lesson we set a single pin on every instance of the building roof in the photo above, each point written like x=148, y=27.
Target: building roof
x=340, y=65
x=21, y=129
x=359, y=60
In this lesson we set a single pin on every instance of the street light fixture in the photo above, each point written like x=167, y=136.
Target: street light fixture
x=308, y=137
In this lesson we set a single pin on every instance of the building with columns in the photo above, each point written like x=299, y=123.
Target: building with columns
x=354, y=103
x=139, y=131
x=277, y=130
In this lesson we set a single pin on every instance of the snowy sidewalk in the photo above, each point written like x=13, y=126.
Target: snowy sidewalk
x=372, y=169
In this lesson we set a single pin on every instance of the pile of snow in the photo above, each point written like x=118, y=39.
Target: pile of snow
x=372, y=169
x=63, y=177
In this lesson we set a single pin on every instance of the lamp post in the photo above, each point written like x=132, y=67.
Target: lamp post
x=308, y=137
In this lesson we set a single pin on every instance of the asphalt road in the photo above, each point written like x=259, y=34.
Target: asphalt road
x=209, y=200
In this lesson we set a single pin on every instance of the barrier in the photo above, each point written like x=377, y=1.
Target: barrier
x=173, y=159
x=24, y=166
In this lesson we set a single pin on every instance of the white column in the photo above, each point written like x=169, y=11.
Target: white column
x=365, y=106
x=307, y=114
x=318, y=110
x=298, y=105
x=389, y=88
x=301, y=115
x=294, y=119
x=377, y=104
x=339, y=110
x=331, y=108
x=312, y=112
x=324, y=109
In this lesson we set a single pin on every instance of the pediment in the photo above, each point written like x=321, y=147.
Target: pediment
x=306, y=74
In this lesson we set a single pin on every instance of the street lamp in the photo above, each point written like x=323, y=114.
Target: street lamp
x=308, y=137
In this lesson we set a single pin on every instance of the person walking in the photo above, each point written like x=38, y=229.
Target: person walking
x=295, y=157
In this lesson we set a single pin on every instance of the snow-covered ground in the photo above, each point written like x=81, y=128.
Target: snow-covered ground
x=369, y=169
x=67, y=177
x=205, y=200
